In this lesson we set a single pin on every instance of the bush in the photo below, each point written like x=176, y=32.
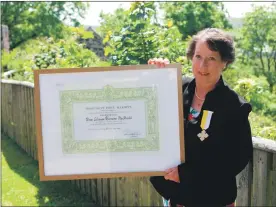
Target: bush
x=262, y=126
x=42, y=53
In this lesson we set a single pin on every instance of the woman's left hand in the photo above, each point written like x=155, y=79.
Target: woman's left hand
x=172, y=174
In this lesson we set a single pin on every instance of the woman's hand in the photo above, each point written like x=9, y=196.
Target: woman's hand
x=160, y=62
x=172, y=174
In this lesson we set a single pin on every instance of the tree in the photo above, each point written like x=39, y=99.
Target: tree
x=44, y=52
x=112, y=23
x=191, y=17
x=259, y=41
x=134, y=41
x=27, y=20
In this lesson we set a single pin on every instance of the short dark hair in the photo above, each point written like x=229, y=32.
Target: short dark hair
x=217, y=40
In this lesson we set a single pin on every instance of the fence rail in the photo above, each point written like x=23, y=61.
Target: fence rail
x=256, y=183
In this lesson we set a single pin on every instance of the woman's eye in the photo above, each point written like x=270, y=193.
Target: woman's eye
x=212, y=58
x=197, y=56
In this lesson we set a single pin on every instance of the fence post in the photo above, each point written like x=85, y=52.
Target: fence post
x=5, y=44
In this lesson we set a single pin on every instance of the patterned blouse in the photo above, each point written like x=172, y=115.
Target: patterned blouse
x=193, y=114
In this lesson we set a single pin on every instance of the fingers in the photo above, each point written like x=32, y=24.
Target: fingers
x=169, y=173
x=169, y=170
x=166, y=61
x=159, y=62
x=172, y=174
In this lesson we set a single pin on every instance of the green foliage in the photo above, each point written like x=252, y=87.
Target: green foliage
x=133, y=36
x=259, y=42
x=262, y=126
x=20, y=59
x=27, y=20
x=253, y=89
x=191, y=17
x=112, y=23
x=135, y=43
x=139, y=37
x=43, y=52
x=246, y=88
x=170, y=43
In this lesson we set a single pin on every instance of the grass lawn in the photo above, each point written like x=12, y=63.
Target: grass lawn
x=21, y=185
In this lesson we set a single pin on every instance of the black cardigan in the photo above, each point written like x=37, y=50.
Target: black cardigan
x=207, y=177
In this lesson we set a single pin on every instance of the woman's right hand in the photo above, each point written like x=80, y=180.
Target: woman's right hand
x=160, y=62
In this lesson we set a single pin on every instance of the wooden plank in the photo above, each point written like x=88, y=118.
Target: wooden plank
x=21, y=113
x=9, y=110
x=18, y=111
x=244, y=186
x=274, y=161
x=260, y=176
x=31, y=121
x=4, y=108
x=11, y=113
x=99, y=192
x=94, y=193
x=88, y=186
x=14, y=115
x=105, y=191
x=272, y=183
x=78, y=185
x=28, y=119
x=83, y=186
x=136, y=192
x=112, y=192
x=34, y=141
x=120, y=183
x=144, y=192
x=9, y=117
x=74, y=183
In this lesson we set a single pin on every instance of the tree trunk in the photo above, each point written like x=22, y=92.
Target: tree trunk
x=271, y=87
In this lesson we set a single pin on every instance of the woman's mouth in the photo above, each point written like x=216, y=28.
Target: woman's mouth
x=203, y=74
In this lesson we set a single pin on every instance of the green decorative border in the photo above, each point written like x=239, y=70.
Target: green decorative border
x=109, y=94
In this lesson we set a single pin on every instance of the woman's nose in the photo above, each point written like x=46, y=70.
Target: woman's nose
x=203, y=64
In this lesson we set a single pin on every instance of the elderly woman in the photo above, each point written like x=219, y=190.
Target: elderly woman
x=218, y=143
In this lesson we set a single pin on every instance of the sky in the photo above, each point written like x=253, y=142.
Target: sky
x=235, y=9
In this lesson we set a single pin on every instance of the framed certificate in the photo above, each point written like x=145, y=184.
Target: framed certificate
x=106, y=122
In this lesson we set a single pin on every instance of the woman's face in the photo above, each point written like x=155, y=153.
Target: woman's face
x=207, y=65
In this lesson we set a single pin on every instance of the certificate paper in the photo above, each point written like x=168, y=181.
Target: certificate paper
x=108, y=122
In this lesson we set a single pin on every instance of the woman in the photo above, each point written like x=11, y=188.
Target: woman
x=218, y=143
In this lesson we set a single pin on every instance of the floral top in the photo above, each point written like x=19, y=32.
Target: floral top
x=193, y=114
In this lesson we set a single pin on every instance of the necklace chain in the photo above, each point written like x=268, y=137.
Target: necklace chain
x=202, y=99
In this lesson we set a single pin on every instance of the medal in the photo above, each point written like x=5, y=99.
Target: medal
x=205, y=123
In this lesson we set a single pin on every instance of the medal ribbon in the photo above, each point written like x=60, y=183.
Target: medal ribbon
x=206, y=119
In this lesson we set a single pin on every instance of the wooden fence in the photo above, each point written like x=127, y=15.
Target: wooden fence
x=256, y=184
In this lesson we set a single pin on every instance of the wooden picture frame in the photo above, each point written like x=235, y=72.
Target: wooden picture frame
x=106, y=122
